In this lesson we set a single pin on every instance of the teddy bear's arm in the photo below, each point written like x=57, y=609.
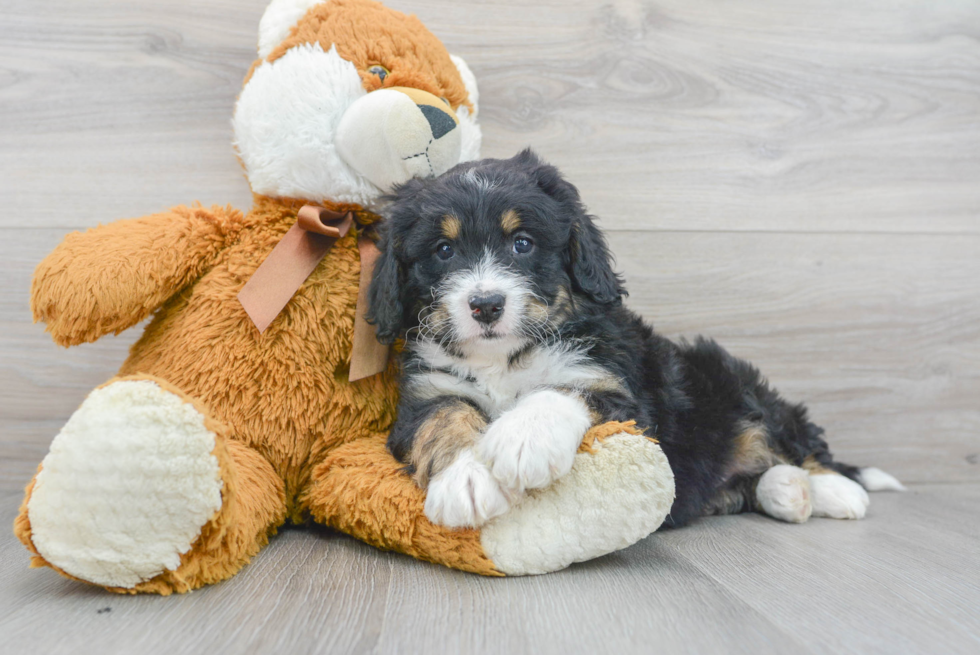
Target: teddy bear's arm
x=112, y=276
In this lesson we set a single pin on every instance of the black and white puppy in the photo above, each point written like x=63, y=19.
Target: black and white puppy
x=517, y=342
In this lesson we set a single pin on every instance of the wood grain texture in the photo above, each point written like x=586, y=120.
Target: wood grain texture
x=817, y=116
x=798, y=180
x=906, y=579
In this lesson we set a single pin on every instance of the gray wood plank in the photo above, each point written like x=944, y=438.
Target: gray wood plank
x=905, y=579
x=820, y=116
x=619, y=604
x=111, y=109
x=303, y=593
x=910, y=580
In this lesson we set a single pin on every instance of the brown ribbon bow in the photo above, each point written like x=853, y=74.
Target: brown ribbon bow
x=292, y=261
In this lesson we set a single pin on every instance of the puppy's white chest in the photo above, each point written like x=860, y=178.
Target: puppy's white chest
x=495, y=384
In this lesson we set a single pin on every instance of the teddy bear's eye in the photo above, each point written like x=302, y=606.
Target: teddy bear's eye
x=446, y=100
x=380, y=71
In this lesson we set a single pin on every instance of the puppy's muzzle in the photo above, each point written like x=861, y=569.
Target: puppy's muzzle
x=487, y=308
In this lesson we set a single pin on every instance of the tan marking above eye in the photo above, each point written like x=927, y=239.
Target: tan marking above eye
x=450, y=227
x=510, y=221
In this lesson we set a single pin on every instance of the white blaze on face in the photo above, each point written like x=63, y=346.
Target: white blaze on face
x=486, y=278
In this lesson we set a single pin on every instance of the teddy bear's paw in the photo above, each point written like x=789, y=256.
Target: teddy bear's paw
x=612, y=498
x=464, y=495
x=126, y=487
x=534, y=444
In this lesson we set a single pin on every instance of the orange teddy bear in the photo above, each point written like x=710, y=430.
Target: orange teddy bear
x=175, y=473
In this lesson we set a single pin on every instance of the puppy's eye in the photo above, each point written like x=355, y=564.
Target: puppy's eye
x=445, y=251
x=523, y=245
x=446, y=100
x=380, y=71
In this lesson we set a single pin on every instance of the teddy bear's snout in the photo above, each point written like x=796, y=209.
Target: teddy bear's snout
x=439, y=121
x=392, y=135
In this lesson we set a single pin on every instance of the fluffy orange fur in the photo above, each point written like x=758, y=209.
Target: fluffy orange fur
x=414, y=57
x=280, y=402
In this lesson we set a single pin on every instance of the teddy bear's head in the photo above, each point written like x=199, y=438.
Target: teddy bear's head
x=348, y=99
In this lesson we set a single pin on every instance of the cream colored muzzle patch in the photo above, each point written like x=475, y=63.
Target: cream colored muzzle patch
x=392, y=135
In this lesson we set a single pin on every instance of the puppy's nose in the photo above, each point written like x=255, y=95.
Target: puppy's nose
x=440, y=122
x=487, y=308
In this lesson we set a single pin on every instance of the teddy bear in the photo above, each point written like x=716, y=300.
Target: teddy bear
x=236, y=412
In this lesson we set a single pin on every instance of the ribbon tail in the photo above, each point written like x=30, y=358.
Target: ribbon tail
x=368, y=356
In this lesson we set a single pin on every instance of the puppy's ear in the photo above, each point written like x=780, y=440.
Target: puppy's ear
x=386, y=296
x=590, y=262
x=385, y=309
x=587, y=256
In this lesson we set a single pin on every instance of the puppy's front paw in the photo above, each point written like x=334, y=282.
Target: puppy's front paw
x=535, y=443
x=464, y=495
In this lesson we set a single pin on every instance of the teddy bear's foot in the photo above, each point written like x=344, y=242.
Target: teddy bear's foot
x=614, y=496
x=141, y=491
x=611, y=499
x=127, y=486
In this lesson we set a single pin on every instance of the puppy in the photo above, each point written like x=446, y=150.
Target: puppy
x=517, y=342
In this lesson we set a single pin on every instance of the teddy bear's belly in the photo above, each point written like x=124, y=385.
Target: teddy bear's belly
x=284, y=392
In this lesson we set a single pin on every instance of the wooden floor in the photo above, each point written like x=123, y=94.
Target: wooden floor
x=799, y=180
x=902, y=581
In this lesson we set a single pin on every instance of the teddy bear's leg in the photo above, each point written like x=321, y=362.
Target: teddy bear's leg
x=142, y=491
x=620, y=490
x=361, y=489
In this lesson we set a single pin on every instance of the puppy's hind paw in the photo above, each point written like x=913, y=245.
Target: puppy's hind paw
x=464, y=495
x=837, y=497
x=783, y=493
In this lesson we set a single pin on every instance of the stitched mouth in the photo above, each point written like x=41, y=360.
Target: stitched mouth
x=424, y=153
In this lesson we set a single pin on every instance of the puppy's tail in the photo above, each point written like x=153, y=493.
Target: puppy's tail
x=871, y=478
x=874, y=479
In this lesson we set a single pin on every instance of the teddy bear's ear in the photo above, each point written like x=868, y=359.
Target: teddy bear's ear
x=280, y=17
x=469, y=81
x=471, y=134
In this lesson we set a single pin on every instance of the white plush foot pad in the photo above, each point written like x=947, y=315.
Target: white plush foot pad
x=783, y=493
x=837, y=497
x=128, y=484
x=609, y=500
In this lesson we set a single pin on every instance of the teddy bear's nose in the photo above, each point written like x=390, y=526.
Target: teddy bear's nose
x=440, y=122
